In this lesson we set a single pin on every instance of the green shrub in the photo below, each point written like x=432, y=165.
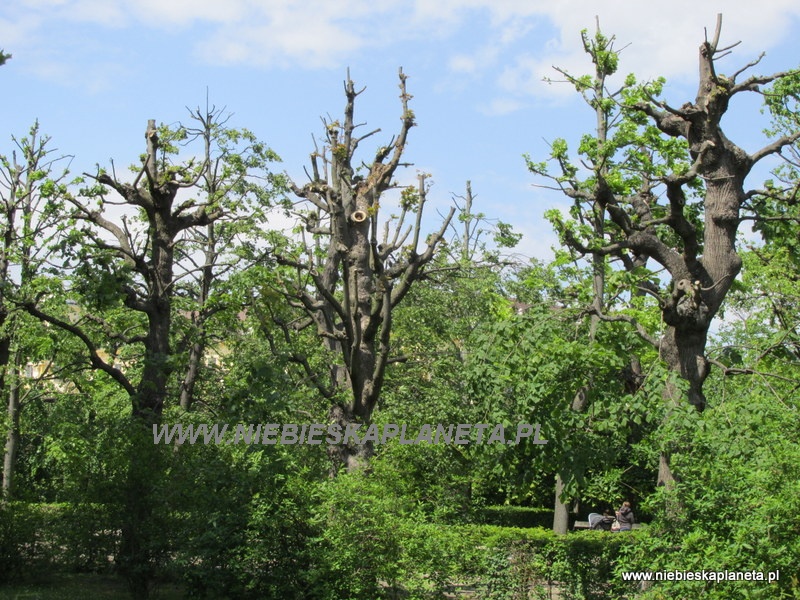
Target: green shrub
x=35, y=538
x=86, y=535
x=238, y=523
x=358, y=552
x=374, y=546
x=506, y=563
x=518, y=516
x=737, y=504
x=274, y=560
x=20, y=552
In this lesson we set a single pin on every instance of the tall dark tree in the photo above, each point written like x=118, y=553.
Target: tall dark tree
x=130, y=261
x=141, y=271
x=351, y=275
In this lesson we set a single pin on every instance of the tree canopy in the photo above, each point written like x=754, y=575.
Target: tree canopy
x=225, y=383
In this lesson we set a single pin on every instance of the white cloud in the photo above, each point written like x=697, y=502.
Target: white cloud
x=471, y=64
x=317, y=33
x=98, y=11
x=165, y=13
x=43, y=4
x=656, y=41
x=524, y=77
x=502, y=106
x=286, y=35
x=12, y=33
x=55, y=71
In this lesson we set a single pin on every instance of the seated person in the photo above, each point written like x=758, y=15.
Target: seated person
x=625, y=517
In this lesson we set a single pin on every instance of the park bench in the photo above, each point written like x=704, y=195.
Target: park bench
x=585, y=525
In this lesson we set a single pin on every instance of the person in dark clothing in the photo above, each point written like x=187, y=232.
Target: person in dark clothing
x=625, y=517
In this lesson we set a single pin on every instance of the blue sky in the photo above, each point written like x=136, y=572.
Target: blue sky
x=93, y=71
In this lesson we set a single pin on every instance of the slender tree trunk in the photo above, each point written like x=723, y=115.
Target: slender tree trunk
x=561, y=508
x=12, y=435
x=598, y=218
x=666, y=478
x=200, y=317
x=192, y=372
x=12, y=413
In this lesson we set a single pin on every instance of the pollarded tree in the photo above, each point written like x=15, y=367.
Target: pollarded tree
x=118, y=262
x=647, y=197
x=129, y=281
x=633, y=176
x=136, y=266
x=352, y=274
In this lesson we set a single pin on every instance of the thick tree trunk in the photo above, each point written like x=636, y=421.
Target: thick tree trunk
x=699, y=295
x=561, y=509
x=357, y=286
x=684, y=353
x=141, y=545
x=139, y=550
x=701, y=260
x=349, y=456
x=153, y=194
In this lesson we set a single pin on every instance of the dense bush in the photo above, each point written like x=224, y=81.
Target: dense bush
x=358, y=553
x=518, y=516
x=737, y=512
x=36, y=537
x=507, y=562
x=86, y=535
x=237, y=521
x=19, y=551
x=376, y=545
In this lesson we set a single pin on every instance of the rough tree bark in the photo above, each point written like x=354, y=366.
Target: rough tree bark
x=701, y=259
x=10, y=385
x=150, y=292
x=701, y=282
x=355, y=279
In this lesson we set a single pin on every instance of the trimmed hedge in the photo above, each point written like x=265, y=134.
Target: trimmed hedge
x=518, y=516
x=362, y=554
x=36, y=537
x=508, y=563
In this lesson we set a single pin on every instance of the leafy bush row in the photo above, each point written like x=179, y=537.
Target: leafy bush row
x=361, y=551
x=34, y=537
x=518, y=516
